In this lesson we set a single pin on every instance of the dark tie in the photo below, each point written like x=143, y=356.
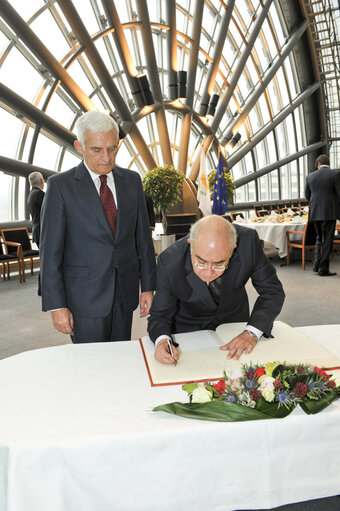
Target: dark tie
x=108, y=202
x=215, y=289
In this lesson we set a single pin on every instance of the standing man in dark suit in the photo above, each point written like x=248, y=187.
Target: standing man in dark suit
x=323, y=194
x=201, y=284
x=96, y=245
x=34, y=202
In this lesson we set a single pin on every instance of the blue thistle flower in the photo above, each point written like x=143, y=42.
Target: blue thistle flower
x=231, y=398
x=249, y=384
x=282, y=396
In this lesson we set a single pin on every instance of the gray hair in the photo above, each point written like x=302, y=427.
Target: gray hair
x=96, y=122
x=35, y=178
x=227, y=229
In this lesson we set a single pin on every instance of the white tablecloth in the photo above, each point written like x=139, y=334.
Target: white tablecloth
x=275, y=233
x=77, y=434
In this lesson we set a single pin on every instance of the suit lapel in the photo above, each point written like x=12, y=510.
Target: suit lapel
x=122, y=193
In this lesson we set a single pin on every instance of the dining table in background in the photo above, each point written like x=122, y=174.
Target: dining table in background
x=275, y=232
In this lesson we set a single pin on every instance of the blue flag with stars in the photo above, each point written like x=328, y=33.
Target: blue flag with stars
x=220, y=201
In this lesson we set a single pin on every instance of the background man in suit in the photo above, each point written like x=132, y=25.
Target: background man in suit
x=150, y=210
x=34, y=202
x=323, y=193
x=96, y=245
x=201, y=284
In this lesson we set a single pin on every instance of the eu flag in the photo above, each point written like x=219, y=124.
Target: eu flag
x=220, y=201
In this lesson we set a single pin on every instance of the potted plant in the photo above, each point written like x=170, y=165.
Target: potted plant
x=229, y=184
x=164, y=185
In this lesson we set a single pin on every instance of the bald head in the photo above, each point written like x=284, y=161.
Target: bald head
x=213, y=227
x=212, y=241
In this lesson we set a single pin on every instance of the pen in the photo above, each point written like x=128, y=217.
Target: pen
x=171, y=353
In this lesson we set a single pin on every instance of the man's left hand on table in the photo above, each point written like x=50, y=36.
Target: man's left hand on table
x=243, y=342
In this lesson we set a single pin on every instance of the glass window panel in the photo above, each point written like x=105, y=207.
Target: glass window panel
x=11, y=135
x=26, y=9
x=46, y=153
x=59, y=110
x=26, y=88
x=5, y=197
x=79, y=76
x=21, y=198
x=87, y=15
x=50, y=34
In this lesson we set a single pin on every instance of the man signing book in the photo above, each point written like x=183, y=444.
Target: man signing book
x=201, y=284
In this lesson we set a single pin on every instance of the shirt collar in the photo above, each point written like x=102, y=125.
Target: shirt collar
x=95, y=176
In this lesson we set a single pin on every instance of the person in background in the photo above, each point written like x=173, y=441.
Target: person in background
x=34, y=202
x=201, y=282
x=96, y=245
x=323, y=193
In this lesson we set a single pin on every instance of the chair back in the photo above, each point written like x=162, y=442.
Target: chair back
x=309, y=236
x=18, y=235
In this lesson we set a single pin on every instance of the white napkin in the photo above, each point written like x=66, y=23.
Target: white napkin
x=290, y=212
x=296, y=220
x=239, y=219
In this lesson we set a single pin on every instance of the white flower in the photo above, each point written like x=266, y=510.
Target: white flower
x=268, y=395
x=236, y=374
x=201, y=395
x=267, y=383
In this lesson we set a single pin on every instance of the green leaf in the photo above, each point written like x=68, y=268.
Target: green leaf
x=311, y=406
x=220, y=411
x=189, y=387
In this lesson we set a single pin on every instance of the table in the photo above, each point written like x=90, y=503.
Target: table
x=77, y=434
x=275, y=233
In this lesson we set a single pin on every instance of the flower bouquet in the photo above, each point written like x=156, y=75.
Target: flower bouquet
x=258, y=392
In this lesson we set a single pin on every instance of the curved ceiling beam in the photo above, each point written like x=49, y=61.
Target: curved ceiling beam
x=172, y=50
x=18, y=25
x=192, y=72
x=274, y=166
x=153, y=75
x=213, y=69
x=262, y=133
x=34, y=114
x=104, y=76
x=19, y=168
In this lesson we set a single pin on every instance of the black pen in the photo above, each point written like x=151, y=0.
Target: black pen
x=171, y=352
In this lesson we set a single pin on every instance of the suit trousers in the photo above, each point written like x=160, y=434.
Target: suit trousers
x=114, y=327
x=323, y=245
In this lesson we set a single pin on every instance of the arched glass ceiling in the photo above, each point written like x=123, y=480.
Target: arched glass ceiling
x=60, y=58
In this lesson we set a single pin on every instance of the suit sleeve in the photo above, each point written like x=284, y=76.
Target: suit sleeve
x=145, y=248
x=271, y=295
x=52, y=240
x=164, y=305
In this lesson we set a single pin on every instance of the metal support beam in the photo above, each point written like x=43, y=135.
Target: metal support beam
x=172, y=50
x=273, y=166
x=34, y=114
x=207, y=89
x=150, y=56
x=293, y=40
x=124, y=51
x=32, y=41
x=224, y=101
x=192, y=71
x=98, y=65
x=261, y=134
x=19, y=168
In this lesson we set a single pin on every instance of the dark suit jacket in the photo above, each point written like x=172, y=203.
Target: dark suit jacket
x=80, y=255
x=323, y=193
x=34, y=202
x=183, y=302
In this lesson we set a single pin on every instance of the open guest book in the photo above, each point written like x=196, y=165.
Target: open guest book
x=202, y=360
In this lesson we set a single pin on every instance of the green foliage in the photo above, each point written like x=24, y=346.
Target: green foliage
x=164, y=184
x=228, y=181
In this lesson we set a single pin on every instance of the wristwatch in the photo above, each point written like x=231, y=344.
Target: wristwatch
x=252, y=334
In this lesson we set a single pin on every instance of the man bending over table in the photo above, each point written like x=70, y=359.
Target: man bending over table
x=201, y=284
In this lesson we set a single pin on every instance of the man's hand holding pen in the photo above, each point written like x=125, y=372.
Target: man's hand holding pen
x=166, y=352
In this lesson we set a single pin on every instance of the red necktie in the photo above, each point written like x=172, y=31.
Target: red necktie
x=108, y=202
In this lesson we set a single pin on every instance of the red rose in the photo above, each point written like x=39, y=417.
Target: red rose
x=259, y=372
x=220, y=387
x=322, y=373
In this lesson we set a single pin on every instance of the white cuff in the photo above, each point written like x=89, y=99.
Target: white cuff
x=255, y=331
x=162, y=337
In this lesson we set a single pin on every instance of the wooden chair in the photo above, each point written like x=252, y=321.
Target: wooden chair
x=307, y=241
x=6, y=259
x=229, y=217
x=19, y=235
x=262, y=212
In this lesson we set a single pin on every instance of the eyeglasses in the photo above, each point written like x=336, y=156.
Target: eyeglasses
x=206, y=266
